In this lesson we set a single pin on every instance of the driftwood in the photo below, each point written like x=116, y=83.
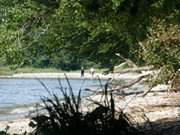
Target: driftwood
x=118, y=88
x=174, y=83
x=136, y=70
x=152, y=85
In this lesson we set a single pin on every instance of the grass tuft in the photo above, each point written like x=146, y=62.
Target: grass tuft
x=67, y=118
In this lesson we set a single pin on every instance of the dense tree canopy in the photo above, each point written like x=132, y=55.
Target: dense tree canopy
x=69, y=33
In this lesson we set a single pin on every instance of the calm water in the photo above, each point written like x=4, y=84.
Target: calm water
x=18, y=96
x=15, y=92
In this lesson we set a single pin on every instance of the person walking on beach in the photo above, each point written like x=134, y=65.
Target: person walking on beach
x=92, y=71
x=82, y=71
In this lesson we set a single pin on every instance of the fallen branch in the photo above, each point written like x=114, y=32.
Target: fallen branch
x=146, y=92
x=136, y=70
x=153, y=84
x=119, y=88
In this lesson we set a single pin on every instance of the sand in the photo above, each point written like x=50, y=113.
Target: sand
x=74, y=75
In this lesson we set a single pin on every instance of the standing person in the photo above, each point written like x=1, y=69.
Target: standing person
x=82, y=71
x=92, y=71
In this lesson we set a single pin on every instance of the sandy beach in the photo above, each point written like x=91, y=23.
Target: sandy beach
x=75, y=75
x=72, y=75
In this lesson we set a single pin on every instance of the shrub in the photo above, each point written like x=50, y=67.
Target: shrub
x=67, y=118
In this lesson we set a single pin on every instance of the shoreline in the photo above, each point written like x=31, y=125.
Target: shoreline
x=73, y=75
x=165, y=107
x=20, y=125
x=52, y=75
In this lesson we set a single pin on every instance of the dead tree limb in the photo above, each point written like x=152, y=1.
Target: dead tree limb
x=153, y=82
x=135, y=70
x=119, y=88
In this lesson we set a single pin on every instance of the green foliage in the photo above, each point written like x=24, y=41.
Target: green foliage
x=162, y=49
x=69, y=33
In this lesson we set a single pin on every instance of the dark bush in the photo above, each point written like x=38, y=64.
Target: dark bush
x=66, y=118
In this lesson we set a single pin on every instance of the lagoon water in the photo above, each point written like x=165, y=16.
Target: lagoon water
x=26, y=91
x=18, y=93
x=19, y=96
